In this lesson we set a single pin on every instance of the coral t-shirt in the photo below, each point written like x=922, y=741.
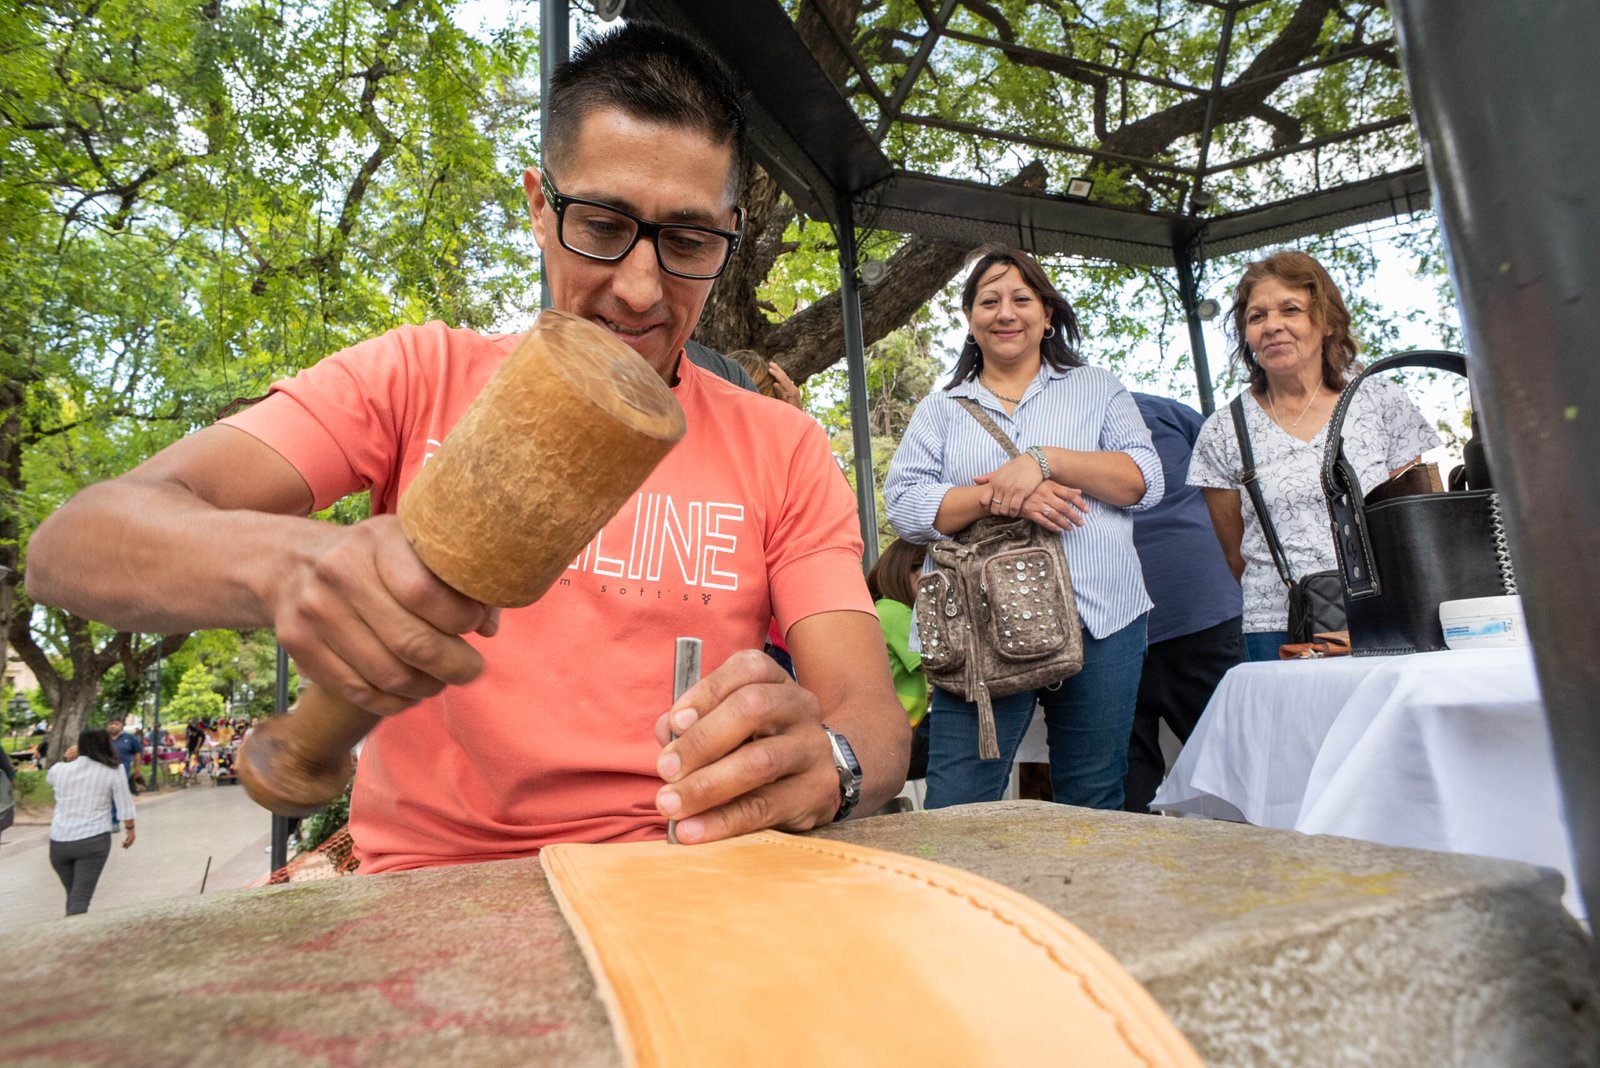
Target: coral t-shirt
x=748, y=519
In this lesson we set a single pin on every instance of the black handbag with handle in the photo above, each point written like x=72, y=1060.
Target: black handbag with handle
x=1316, y=600
x=1401, y=558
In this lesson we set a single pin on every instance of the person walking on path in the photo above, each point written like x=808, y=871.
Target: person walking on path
x=8, y=796
x=128, y=748
x=88, y=785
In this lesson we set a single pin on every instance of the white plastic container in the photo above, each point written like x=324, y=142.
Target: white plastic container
x=1483, y=622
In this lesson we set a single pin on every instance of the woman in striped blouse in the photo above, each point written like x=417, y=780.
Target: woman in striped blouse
x=1087, y=464
x=89, y=785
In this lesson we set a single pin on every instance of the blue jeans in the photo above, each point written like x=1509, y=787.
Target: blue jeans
x=1087, y=718
x=1263, y=644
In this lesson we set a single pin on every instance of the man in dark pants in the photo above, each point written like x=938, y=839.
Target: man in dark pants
x=1196, y=626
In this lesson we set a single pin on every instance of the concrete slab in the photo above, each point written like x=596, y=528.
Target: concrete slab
x=1266, y=947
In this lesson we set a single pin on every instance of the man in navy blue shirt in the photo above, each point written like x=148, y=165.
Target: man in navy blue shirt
x=128, y=747
x=1196, y=628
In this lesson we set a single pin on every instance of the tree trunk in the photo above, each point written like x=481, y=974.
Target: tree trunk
x=11, y=397
x=72, y=696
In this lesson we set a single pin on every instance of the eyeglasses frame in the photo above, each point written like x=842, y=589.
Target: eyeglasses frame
x=559, y=202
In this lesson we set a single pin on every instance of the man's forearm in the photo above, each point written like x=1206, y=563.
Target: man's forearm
x=881, y=738
x=150, y=556
x=856, y=691
x=197, y=536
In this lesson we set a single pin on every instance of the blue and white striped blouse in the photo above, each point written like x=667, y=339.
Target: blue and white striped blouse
x=87, y=792
x=1084, y=408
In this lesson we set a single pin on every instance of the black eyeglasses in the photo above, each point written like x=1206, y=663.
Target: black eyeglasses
x=605, y=232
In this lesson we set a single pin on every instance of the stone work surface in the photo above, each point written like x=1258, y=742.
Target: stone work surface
x=1274, y=948
x=1265, y=947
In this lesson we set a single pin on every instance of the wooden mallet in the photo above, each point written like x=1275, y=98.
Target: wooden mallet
x=562, y=434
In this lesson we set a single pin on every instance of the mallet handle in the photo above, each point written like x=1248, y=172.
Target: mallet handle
x=296, y=764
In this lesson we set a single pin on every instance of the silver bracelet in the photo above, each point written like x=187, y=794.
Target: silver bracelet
x=1039, y=457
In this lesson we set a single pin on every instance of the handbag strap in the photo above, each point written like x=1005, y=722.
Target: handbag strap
x=1347, y=510
x=983, y=419
x=1247, y=478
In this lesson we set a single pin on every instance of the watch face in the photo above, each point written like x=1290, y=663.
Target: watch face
x=848, y=754
x=844, y=760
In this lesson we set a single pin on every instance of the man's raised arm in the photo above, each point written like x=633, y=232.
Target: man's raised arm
x=211, y=532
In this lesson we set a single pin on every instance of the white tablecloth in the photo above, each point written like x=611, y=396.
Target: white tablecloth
x=1447, y=751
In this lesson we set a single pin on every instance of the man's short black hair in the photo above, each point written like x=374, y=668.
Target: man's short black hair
x=648, y=72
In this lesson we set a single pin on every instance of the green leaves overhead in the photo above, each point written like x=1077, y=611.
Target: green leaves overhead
x=1118, y=89
x=198, y=199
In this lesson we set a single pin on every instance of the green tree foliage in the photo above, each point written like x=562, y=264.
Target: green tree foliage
x=901, y=370
x=196, y=698
x=198, y=198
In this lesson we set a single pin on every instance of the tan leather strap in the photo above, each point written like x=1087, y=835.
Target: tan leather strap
x=776, y=950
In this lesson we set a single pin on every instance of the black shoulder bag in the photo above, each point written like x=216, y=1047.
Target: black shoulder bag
x=1400, y=558
x=1316, y=601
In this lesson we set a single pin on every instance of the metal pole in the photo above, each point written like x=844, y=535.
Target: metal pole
x=1197, y=338
x=1506, y=97
x=280, y=824
x=855, y=359
x=553, y=51
x=155, y=728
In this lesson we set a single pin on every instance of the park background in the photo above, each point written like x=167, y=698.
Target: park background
x=199, y=199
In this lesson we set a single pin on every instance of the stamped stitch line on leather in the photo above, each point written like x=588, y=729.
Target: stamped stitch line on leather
x=840, y=852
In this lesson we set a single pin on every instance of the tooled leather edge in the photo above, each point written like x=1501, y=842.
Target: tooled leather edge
x=556, y=869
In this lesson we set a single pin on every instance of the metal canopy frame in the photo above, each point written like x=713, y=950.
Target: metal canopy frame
x=813, y=141
x=832, y=160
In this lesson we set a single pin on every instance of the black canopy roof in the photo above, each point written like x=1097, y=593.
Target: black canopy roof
x=1301, y=128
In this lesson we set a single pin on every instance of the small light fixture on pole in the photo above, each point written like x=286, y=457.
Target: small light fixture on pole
x=153, y=672
x=20, y=709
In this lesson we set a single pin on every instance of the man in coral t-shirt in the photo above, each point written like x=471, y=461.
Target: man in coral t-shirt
x=548, y=723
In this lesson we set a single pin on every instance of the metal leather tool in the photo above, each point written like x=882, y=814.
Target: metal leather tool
x=685, y=673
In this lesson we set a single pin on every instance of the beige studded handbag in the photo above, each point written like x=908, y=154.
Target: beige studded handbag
x=997, y=615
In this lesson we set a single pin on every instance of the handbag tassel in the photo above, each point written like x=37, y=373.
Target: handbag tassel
x=988, y=739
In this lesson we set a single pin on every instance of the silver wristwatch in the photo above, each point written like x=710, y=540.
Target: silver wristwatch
x=844, y=759
x=1039, y=458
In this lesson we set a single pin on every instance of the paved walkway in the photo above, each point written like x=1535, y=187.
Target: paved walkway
x=178, y=831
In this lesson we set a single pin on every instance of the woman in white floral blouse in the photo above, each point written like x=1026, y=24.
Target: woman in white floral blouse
x=1292, y=333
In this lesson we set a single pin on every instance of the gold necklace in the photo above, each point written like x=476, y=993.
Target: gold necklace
x=1018, y=400
x=1314, y=394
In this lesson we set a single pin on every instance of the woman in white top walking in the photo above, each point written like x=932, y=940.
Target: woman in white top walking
x=88, y=785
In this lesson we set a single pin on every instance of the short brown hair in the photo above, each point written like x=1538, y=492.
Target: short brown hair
x=890, y=577
x=1326, y=308
x=1060, y=350
x=651, y=73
